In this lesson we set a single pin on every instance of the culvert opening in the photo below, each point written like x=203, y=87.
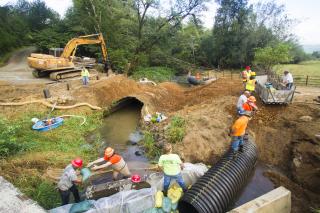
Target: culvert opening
x=186, y=207
x=127, y=102
x=121, y=131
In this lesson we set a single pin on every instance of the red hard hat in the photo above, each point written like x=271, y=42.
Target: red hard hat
x=248, y=68
x=77, y=162
x=136, y=179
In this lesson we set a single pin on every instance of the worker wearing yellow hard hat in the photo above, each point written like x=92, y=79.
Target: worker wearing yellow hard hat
x=114, y=160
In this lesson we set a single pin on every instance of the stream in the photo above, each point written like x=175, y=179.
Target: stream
x=119, y=130
x=122, y=127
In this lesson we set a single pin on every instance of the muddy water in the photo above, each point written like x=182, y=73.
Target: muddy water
x=122, y=126
x=118, y=129
x=257, y=185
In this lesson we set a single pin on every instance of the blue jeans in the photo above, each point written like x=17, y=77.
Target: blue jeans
x=289, y=86
x=66, y=194
x=240, y=110
x=236, y=142
x=85, y=80
x=178, y=178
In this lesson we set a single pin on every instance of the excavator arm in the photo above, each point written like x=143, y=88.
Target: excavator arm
x=63, y=66
x=71, y=46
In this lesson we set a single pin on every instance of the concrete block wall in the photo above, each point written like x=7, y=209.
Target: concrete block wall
x=13, y=201
x=277, y=200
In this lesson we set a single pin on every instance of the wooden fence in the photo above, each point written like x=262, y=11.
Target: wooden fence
x=301, y=80
x=307, y=80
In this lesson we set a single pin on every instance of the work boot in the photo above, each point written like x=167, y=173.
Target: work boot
x=235, y=156
x=241, y=148
x=246, y=137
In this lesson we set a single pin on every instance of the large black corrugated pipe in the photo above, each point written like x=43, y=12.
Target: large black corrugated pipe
x=215, y=191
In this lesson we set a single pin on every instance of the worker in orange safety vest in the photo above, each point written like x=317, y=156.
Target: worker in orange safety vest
x=250, y=105
x=238, y=131
x=114, y=160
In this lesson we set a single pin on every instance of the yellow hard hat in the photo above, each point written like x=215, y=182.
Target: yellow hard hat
x=109, y=152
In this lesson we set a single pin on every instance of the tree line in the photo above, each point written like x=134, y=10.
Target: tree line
x=146, y=33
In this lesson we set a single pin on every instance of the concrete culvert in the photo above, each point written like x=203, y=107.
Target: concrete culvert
x=216, y=190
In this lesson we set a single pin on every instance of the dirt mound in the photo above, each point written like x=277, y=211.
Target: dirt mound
x=207, y=131
x=302, y=199
x=286, y=140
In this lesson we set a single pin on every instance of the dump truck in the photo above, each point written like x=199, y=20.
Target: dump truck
x=65, y=66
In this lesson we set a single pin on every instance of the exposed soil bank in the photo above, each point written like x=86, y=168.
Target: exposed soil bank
x=285, y=140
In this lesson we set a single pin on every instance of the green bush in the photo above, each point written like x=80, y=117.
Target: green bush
x=158, y=74
x=42, y=191
x=152, y=152
x=10, y=142
x=176, y=130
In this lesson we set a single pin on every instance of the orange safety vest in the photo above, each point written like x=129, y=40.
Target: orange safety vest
x=239, y=126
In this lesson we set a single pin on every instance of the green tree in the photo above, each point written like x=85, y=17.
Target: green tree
x=315, y=54
x=231, y=33
x=269, y=56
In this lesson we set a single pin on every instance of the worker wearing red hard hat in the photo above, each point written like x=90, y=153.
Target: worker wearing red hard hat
x=245, y=74
x=68, y=181
x=114, y=160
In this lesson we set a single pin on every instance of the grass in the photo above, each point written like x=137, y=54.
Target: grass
x=26, y=154
x=176, y=130
x=311, y=68
x=152, y=151
x=157, y=74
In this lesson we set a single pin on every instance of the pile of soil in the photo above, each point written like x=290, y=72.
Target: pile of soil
x=207, y=131
x=285, y=135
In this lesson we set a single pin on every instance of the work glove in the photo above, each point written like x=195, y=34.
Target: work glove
x=89, y=165
x=94, y=168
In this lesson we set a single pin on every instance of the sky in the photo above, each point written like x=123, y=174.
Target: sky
x=306, y=11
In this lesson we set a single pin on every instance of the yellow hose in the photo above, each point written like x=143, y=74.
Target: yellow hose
x=47, y=104
x=76, y=116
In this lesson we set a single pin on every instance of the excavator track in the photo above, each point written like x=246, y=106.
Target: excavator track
x=60, y=75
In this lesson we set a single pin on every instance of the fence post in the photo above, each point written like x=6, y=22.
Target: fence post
x=307, y=79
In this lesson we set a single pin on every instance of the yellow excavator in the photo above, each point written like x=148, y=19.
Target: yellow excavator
x=65, y=66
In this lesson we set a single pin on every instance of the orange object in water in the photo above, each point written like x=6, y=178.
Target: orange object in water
x=49, y=122
x=198, y=76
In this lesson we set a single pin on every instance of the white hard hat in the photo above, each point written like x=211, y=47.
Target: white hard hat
x=34, y=120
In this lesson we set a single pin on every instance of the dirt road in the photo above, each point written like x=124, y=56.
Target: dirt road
x=17, y=71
